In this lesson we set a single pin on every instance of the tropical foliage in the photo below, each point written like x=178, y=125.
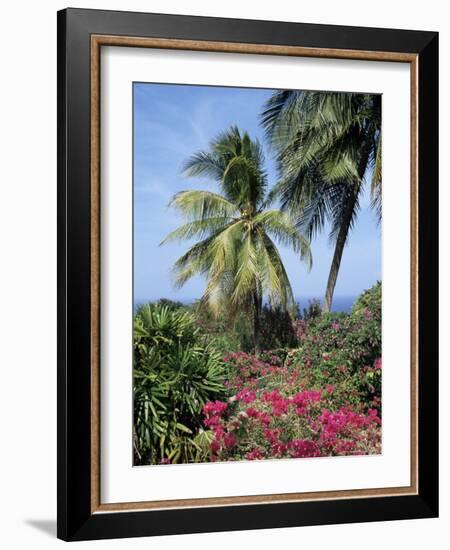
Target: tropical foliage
x=320, y=395
x=321, y=399
x=175, y=374
x=242, y=373
x=327, y=143
x=236, y=251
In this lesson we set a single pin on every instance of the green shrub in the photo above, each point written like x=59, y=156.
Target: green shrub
x=175, y=374
x=369, y=300
x=230, y=335
x=343, y=350
x=171, y=304
x=224, y=333
x=313, y=310
x=277, y=330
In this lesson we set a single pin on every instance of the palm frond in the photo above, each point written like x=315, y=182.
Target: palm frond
x=200, y=205
x=246, y=275
x=197, y=228
x=280, y=113
x=276, y=280
x=282, y=228
x=195, y=261
x=222, y=254
x=206, y=164
x=376, y=183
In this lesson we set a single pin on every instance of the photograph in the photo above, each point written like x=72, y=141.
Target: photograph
x=229, y=222
x=257, y=276
x=247, y=272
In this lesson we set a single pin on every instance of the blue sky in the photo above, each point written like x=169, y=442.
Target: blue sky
x=171, y=122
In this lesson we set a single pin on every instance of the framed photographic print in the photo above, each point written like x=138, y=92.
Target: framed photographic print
x=247, y=253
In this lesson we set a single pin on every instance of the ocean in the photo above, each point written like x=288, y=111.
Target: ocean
x=340, y=303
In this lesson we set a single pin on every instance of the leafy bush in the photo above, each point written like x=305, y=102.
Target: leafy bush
x=227, y=335
x=369, y=300
x=174, y=376
x=199, y=394
x=313, y=310
x=353, y=339
x=344, y=350
x=276, y=328
x=321, y=399
x=170, y=304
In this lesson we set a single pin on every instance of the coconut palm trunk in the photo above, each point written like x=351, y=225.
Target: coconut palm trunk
x=350, y=207
x=339, y=250
x=257, y=307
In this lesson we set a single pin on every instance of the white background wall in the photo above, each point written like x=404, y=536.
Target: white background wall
x=28, y=272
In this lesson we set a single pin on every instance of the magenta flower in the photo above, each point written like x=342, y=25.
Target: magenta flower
x=377, y=364
x=215, y=446
x=254, y=454
x=229, y=440
x=302, y=448
x=214, y=408
x=246, y=395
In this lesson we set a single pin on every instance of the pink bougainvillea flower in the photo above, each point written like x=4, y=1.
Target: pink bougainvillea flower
x=306, y=398
x=219, y=431
x=302, y=448
x=280, y=407
x=215, y=446
x=265, y=418
x=212, y=422
x=279, y=449
x=229, y=440
x=270, y=396
x=246, y=395
x=214, y=408
x=251, y=412
x=254, y=454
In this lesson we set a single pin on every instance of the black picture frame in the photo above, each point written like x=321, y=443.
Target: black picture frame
x=75, y=518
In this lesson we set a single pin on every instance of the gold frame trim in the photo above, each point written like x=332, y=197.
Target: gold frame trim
x=261, y=49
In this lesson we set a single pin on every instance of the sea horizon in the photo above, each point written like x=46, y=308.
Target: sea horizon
x=340, y=303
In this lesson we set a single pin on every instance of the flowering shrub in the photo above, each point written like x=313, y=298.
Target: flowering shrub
x=267, y=422
x=344, y=350
x=321, y=396
x=321, y=399
x=353, y=339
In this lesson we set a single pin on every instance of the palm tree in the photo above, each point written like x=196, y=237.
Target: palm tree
x=236, y=251
x=326, y=143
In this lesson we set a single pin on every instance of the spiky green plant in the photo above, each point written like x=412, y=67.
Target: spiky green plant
x=326, y=144
x=236, y=251
x=175, y=374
